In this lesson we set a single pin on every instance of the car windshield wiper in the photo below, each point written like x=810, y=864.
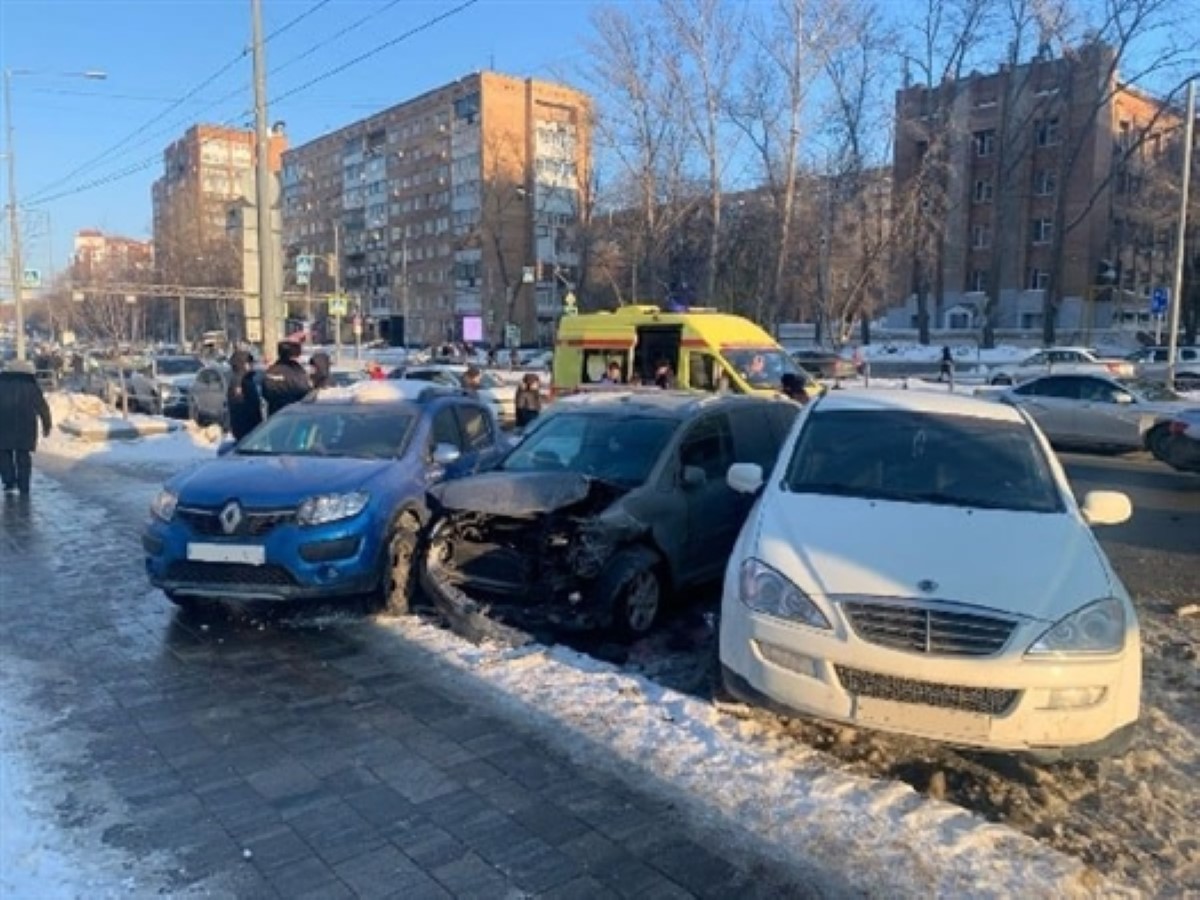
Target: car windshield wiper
x=247, y=451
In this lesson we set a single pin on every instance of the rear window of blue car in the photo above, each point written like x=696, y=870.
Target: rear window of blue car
x=315, y=430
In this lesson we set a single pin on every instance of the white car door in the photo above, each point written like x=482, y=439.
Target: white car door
x=1051, y=402
x=1108, y=415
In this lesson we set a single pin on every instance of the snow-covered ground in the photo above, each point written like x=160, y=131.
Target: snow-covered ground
x=963, y=353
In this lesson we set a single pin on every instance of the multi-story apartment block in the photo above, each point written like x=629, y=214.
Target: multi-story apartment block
x=448, y=216
x=102, y=257
x=1031, y=187
x=205, y=173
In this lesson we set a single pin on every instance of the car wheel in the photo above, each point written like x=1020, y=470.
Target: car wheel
x=1158, y=440
x=633, y=590
x=1001, y=380
x=400, y=566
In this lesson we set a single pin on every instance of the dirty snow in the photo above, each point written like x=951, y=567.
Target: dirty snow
x=882, y=835
x=963, y=353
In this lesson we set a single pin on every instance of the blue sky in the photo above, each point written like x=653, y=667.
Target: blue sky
x=156, y=51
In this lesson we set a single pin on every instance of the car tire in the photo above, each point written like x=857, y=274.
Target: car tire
x=632, y=587
x=1001, y=381
x=1158, y=439
x=400, y=565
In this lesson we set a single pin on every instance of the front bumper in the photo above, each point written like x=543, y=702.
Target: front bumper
x=997, y=703
x=340, y=559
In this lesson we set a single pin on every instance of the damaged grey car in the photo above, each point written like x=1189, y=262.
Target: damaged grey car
x=612, y=505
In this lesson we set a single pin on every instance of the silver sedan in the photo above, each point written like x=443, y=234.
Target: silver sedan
x=1095, y=411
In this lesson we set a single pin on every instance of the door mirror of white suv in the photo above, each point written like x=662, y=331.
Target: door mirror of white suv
x=446, y=454
x=745, y=478
x=1106, y=508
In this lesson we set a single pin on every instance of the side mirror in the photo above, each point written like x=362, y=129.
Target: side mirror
x=446, y=454
x=693, y=477
x=1122, y=398
x=745, y=478
x=226, y=447
x=1106, y=508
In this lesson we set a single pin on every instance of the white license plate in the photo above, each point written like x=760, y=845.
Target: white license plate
x=249, y=554
x=930, y=720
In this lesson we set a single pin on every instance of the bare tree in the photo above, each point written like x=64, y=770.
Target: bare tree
x=708, y=36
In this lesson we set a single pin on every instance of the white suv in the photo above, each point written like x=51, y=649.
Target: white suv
x=1152, y=363
x=1064, y=361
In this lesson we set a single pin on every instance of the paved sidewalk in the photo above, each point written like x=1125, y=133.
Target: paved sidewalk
x=340, y=757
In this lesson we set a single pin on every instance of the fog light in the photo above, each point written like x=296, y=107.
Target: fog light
x=574, y=598
x=788, y=659
x=1074, y=698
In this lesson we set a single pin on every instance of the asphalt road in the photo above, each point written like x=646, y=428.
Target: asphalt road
x=1157, y=552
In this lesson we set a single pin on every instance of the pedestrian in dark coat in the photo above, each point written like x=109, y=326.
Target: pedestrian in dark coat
x=243, y=399
x=946, y=369
x=320, y=364
x=285, y=382
x=528, y=400
x=21, y=406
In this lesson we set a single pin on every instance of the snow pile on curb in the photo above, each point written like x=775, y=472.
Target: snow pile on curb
x=882, y=836
x=932, y=353
x=165, y=452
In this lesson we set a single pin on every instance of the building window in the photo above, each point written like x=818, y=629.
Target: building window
x=1042, y=230
x=977, y=281
x=985, y=142
x=1038, y=280
x=1045, y=183
x=1046, y=131
x=983, y=190
x=981, y=237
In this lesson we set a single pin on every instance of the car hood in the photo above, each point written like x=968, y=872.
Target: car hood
x=1041, y=565
x=514, y=493
x=273, y=481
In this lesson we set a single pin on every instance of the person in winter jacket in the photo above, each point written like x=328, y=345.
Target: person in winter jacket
x=21, y=406
x=242, y=398
x=285, y=381
x=528, y=400
x=319, y=364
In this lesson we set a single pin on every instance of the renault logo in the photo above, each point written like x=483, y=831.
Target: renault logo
x=230, y=517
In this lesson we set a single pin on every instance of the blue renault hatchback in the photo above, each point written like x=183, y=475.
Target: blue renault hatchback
x=325, y=499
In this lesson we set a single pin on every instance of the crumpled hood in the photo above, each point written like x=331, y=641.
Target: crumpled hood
x=1042, y=565
x=273, y=481
x=513, y=493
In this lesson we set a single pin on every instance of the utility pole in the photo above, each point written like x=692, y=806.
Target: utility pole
x=268, y=297
x=404, y=286
x=1181, y=236
x=337, y=287
x=16, y=271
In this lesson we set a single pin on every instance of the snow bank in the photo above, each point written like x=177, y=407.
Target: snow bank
x=165, y=452
x=882, y=836
x=963, y=353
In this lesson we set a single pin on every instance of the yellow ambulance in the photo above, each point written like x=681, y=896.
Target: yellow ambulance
x=699, y=349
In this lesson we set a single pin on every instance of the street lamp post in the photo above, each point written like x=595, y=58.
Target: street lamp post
x=16, y=271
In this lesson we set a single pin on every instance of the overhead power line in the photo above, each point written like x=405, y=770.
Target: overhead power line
x=329, y=39
x=39, y=195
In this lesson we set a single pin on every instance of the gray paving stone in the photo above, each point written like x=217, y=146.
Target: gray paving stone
x=470, y=876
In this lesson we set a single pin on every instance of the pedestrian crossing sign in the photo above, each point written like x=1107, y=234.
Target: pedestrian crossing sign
x=338, y=306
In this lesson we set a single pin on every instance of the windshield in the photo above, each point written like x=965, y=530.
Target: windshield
x=331, y=431
x=923, y=458
x=183, y=366
x=619, y=449
x=1153, y=391
x=762, y=367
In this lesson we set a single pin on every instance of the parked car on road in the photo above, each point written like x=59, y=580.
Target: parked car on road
x=208, y=399
x=1152, y=363
x=1098, y=412
x=1179, y=447
x=917, y=563
x=501, y=397
x=824, y=363
x=611, y=504
x=325, y=499
x=1063, y=360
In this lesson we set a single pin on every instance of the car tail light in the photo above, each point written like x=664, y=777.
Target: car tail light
x=1113, y=367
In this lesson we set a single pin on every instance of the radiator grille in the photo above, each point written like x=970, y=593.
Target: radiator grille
x=988, y=701
x=928, y=629
x=194, y=572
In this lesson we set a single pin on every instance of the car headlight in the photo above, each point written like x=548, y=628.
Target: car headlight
x=331, y=507
x=766, y=591
x=1096, y=628
x=163, y=505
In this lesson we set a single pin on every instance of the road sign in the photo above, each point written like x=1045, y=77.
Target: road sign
x=304, y=264
x=512, y=335
x=31, y=278
x=570, y=304
x=338, y=306
x=1160, y=299
x=528, y=275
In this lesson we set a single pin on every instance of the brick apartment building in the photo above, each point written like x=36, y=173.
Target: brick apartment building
x=205, y=173
x=450, y=215
x=1013, y=211
x=100, y=257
